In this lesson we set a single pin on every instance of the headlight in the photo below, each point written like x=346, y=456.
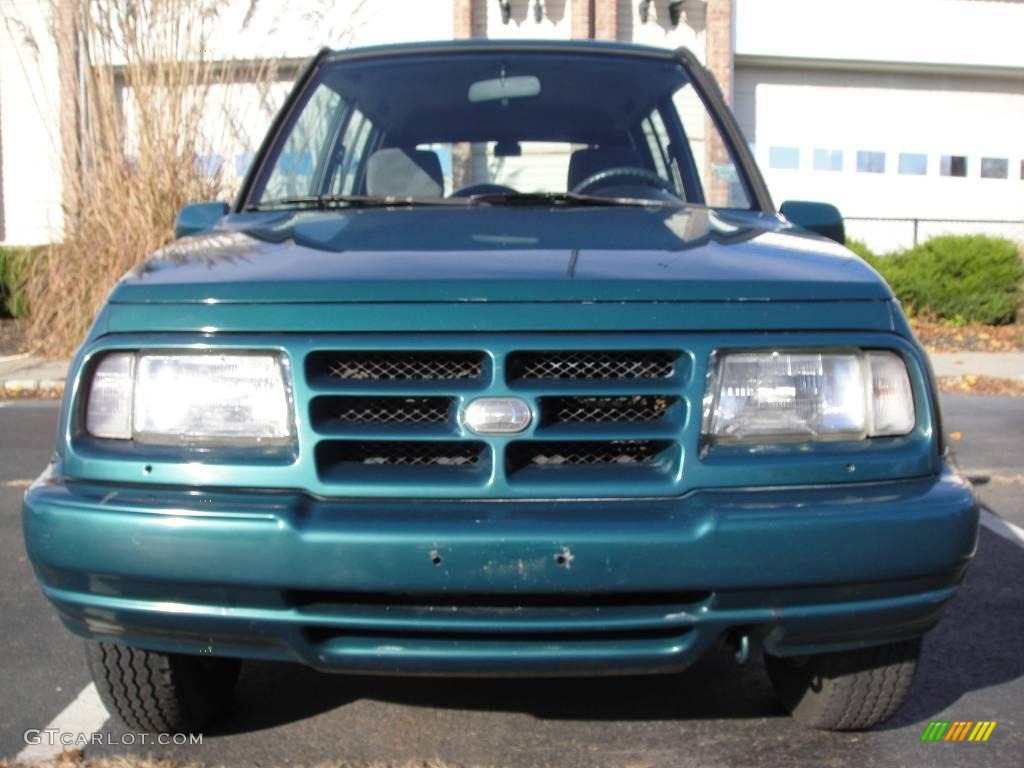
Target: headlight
x=207, y=398
x=764, y=396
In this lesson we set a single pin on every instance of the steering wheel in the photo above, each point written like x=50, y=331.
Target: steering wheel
x=623, y=173
x=484, y=189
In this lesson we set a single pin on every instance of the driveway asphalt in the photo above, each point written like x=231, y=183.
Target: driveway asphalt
x=715, y=714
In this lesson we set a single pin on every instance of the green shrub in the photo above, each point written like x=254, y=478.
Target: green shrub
x=13, y=274
x=861, y=249
x=972, y=278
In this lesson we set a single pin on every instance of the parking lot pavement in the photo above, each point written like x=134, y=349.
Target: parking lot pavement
x=715, y=714
x=41, y=666
x=988, y=440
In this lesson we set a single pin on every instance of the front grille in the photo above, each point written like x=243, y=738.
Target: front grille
x=389, y=366
x=386, y=410
x=386, y=419
x=630, y=365
x=605, y=410
x=400, y=453
x=588, y=453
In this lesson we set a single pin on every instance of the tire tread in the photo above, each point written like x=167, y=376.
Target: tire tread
x=160, y=693
x=849, y=691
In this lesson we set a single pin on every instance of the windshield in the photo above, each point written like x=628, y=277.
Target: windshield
x=474, y=126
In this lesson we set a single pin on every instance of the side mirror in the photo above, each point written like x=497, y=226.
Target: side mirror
x=198, y=218
x=822, y=218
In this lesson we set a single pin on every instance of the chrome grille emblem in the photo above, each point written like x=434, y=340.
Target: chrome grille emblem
x=497, y=416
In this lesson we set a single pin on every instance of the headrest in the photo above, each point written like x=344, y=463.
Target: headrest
x=400, y=172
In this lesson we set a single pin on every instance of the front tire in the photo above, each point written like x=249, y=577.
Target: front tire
x=162, y=692
x=847, y=691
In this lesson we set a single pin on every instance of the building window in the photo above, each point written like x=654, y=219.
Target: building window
x=784, y=157
x=870, y=162
x=953, y=165
x=828, y=159
x=995, y=168
x=913, y=164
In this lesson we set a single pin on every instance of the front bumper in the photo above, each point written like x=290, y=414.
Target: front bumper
x=498, y=588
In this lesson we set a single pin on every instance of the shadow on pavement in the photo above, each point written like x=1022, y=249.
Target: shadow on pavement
x=273, y=694
x=974, y=647
x=977, y=643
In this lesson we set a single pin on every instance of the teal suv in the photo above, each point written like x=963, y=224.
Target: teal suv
x=501, y=363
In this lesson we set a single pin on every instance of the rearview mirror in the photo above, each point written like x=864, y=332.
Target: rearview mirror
x=198, y=218
x=508, y=148
x=822, y=218
x=504, y=88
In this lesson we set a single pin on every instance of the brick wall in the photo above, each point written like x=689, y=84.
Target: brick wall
x=719, y=44
x=718, y=47
x=582, y=19
x=470, y=18
x=605, y=19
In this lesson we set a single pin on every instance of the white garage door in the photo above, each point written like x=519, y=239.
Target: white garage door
x=888, y=144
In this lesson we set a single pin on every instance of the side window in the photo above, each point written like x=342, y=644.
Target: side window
x=719, y=177
x=655, y=145
x=301, y=161
x=350, y=156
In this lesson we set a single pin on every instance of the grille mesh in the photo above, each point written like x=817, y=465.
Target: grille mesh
x=406, y=453
x=403, y=366
x=591, y=365
x=545, y=454
x=603, y=410
x=389, y=410
x=611, y=414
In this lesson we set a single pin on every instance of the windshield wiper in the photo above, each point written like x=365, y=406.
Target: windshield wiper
x=324, y=202
x=538, y=199
x=566, y=199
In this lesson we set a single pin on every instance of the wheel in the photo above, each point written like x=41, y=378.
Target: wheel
x=162, y=692
x=848, y=691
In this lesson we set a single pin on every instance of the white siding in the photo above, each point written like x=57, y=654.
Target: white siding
x=29, y=125
x=965, y=33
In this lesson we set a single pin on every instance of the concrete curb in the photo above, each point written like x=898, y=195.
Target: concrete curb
x=23, y=376
x=997, y=365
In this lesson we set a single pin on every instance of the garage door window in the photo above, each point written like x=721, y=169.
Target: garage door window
x=953, y=165
x=786, y=158
x=828, y=159
x=913, y=164
x=995, y=168
x=870, y=162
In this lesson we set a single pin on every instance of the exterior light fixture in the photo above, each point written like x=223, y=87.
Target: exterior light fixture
x=538, y=11
x=645, y=11
x=506, y=10
x=675, y=12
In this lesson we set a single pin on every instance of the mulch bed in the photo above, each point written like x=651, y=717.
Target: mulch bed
x=980, y=385
x=938, y=336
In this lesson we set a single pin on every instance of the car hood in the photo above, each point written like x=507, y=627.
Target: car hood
x=501, y=254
